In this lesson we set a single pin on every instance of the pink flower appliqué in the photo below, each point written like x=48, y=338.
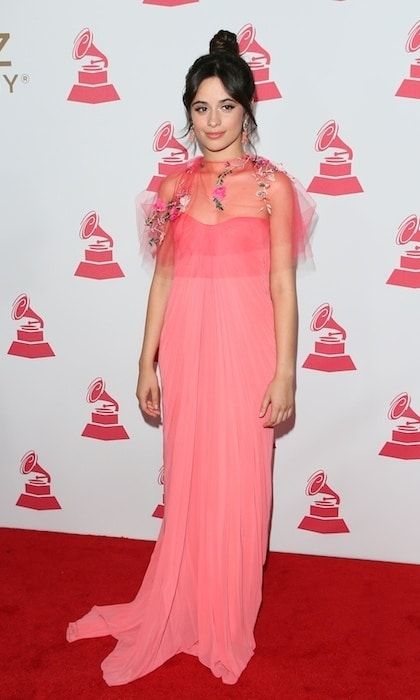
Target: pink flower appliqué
x=219, y=192
x=159, y=205
x=173, y=213
x=161, y=213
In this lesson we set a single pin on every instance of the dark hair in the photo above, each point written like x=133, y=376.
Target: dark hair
x=224, y=62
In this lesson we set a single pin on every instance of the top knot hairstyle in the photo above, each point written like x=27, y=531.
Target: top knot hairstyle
x=224, y=41
x=224, y=62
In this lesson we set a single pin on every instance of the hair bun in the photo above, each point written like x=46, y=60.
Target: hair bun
x=224, y=41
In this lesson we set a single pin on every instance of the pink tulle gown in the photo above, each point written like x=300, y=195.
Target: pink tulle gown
x=202, y=590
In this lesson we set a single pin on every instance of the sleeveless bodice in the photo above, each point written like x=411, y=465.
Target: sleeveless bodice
x=234, y=247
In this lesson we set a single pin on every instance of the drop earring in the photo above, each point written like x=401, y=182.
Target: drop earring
x=245, y=135
x=192, y=139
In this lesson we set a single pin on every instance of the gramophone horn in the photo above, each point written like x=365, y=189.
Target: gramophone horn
x=408, y=230
x=327, y=137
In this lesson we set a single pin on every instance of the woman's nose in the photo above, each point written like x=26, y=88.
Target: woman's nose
x=213, y=118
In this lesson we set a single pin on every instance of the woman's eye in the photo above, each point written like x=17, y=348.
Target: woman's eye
x=228, y=108
x=200, y=109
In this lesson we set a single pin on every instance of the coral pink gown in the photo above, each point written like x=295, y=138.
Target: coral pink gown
x=201, y=592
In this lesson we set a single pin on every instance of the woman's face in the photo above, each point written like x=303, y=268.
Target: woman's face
x=217, y=120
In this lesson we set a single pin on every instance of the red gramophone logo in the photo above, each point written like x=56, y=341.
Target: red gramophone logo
x=410, y=87
x=92, y=86
x=160, y=508
x=335, y=176
x=408, y=273
x=259, y=61
x=323, y=513
x=30, y=334
x=168, y=3
x=174, y=155
x=37, y=487
x=104, y=423
x=329, y=354
x=405, y=441
x=98, y=263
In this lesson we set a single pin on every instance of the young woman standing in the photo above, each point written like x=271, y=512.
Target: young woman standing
x=226, y=234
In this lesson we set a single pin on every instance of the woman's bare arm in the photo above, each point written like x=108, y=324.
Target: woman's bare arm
x=281, y=391
x=156, y=307
x=148, y=392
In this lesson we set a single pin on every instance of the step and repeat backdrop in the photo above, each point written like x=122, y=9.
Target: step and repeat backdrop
x=91, y=115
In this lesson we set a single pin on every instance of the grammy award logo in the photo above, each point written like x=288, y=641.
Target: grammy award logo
x=405, y=441
x=92, y=86
x=174, y=155
x=37, y=487
x=104, y=423
x=30, y=341
x=259, y=61
x=323, y=513
x=98, y=263
x=329, y=354
x=168, y=3
x=160, y=508
x=335, y=176
x=410, y=87
x=408, y=273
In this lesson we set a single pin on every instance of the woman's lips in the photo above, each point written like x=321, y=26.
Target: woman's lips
x=215, y=134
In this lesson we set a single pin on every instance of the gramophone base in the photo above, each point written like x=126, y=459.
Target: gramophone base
x=159, y=511
x=30, y=350
x=335, y=186
x=321, y=363
x=155, y=183
x=399, y=451
x=165, y=169
x=105, y=432
x=325, y=526
x=99, y=271
x=405, y=278
x=409, y=88
x=93, y=94
x=168, y=3
x=266, y=91
x=38, y=502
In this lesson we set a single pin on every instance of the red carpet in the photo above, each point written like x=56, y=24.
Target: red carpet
x=328, y=627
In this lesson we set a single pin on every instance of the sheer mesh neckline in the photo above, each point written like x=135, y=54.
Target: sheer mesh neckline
x=224, y=160
x=237, y=161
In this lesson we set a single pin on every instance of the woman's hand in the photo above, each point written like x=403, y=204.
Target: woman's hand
x=148, y=391
x=280, y=394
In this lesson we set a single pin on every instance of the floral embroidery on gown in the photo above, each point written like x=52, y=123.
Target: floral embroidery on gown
x=202, y=590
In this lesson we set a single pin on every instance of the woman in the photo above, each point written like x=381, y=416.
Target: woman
x=226, y=234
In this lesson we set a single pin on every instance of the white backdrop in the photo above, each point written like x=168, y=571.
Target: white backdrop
x=331, y=61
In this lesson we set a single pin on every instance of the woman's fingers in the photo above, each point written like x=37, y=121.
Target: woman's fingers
x=273, y=415
x=279, y=414
x=155, y=397
x=143, y=402
x=264, y=405
x=149, y=401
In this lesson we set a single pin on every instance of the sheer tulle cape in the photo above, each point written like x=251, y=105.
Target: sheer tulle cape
x=145, y=203
x=182, y=194
x=305, y=218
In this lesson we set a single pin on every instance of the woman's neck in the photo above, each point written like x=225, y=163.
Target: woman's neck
x=223, y=156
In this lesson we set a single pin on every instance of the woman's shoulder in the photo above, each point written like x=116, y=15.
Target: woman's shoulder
x=268, y=167
x=171, y=182
x=273, y=175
